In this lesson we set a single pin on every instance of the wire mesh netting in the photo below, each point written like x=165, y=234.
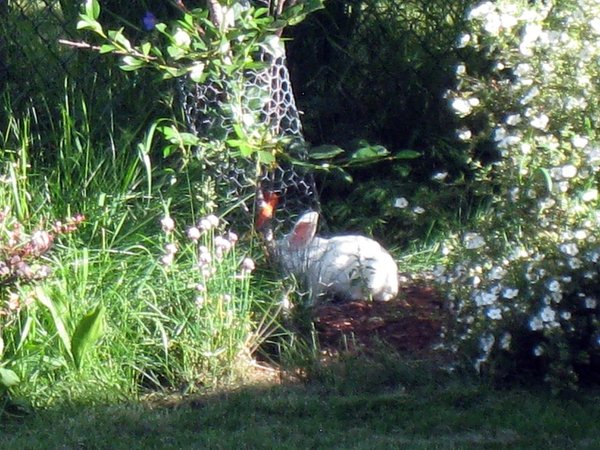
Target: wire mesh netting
x=266, y=93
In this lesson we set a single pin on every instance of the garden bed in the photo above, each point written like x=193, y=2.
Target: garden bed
x=411, y=324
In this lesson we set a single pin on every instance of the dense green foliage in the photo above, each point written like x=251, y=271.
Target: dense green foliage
x=524, y=280
x=154, y=290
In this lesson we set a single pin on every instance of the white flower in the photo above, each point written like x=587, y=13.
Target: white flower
x=481, y=10
x=496, y=273
x=461, y=106
x=553, y=286
x=222, y=245
x=494, y=313
x=595, y=25
x=208, y=223
x=513, y=119
x=486, y=342
x=167, y=224
x=493, y=23
x=473, y=241
x=418, y=210
x=232, y=237
x=181, y=38
x=522, y=70
x=548, y=314
x=196, y=72
x=213, y=220
x=509, y=293
x=590, y=303
x=400, y=202
x=248, y=265
x=440, y=176
x=531, y=33
x=536, y=324
x=590, y=195
x=569, y=248
x=485, y=298
x=579, y=141
x=193, y=233
x=463, y=40
x=204, y=256
x=568, y=171
x=566, y=315
x=540, y=122
x=167, y=259
x=538, y=350
x=464, y=134
x=41, y=241
x=505, y=341
x=170, y=249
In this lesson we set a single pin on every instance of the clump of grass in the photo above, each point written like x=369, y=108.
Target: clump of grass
x=164, y=306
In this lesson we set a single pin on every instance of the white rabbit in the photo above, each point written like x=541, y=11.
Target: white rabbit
x=347, y=267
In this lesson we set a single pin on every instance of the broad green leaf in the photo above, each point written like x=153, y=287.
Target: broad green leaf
x=92, y=9
x=369, y=152
x=8, y=378
x=130, y=63
x=146, y=47
x=407, y=154
x=325, y=151
x=246, y=150
x=86, y=24
x=46, y=301
x=107, y=48
x=265, y=157
x=86, y=333
x=118, y=37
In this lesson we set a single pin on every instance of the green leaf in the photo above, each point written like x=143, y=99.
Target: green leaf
x=120, y=39
x=547, y=178
x=407, y=154
x=370, y=152
x=46, y=301
x=107, y=48
x=92, y=9
x=146, y=47
x=8, y=378
x=87, y=332
x=325, y=151
x=265, y=157
x=87, y=24
x=130, y=63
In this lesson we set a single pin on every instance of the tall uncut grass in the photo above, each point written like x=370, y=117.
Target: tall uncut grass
x=133, y=299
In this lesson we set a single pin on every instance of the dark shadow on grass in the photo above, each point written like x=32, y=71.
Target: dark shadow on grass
x=355, y=402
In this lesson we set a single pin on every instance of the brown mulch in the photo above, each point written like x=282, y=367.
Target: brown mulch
x=411, y=324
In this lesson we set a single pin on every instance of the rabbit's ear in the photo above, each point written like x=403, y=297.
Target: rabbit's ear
x=304, y=230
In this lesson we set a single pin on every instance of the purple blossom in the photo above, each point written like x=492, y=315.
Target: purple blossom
x=149, y=21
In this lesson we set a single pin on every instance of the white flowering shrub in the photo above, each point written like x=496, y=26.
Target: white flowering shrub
x=524, y=282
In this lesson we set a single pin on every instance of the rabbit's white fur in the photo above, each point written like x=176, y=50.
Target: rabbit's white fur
x=348, y=267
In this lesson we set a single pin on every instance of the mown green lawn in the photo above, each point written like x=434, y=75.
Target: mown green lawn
x=445, y=414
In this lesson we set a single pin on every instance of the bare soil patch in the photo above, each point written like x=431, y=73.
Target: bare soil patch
x=411, y=324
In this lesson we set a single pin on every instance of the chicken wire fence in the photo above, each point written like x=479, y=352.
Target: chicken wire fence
x=207, y=112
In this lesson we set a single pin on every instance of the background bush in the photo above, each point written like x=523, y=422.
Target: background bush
x=377, y=71
x=524, y=283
